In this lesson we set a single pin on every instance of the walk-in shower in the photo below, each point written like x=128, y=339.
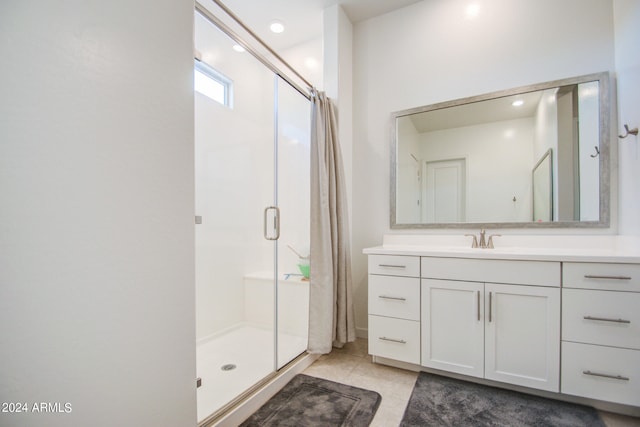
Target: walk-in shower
x=252, y=200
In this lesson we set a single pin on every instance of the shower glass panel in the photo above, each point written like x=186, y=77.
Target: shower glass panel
x=251, y=154
x=235, y=264
x=294, y=130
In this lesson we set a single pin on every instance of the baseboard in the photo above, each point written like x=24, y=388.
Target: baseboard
x=397, y=364
x=362, y=333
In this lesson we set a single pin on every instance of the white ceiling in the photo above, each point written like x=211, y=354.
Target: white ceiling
x=303, y=18
x=494, y=110
x=361, y=10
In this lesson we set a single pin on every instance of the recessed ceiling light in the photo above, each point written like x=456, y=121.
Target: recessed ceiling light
x=517, y=103
x=472, y=10
x=277, y=27
x=238, y=48
x=311, y=63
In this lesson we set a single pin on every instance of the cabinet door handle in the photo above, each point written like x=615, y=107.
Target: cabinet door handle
x=392, y=340
x=597, y=374
x=490, y=304
x=604, y=319
x=393, y=298
x=391, y=266
x=478, y=304
x=591, y=276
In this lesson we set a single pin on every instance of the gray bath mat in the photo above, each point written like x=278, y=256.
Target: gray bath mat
x=440, y=401
x=309, y=401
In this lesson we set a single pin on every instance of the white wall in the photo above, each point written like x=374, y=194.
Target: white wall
x=546, y=137
x=488, y=194
x=338, y=84
x=409, y=176
x=589, y=128
x=96, y=220
x=627, y=34
x=431, y=52
x=307, y=59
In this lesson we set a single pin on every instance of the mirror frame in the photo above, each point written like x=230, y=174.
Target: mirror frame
x=603, y=79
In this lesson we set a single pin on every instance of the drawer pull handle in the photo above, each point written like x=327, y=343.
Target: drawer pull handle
x=478, y=303
x=392, y=340
x=604, y=319
x=391, y=266
x=393, y=298
x=615, y=377
x=590, y=276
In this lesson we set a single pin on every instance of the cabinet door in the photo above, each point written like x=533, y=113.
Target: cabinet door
x=453, y=326
x=523, y=335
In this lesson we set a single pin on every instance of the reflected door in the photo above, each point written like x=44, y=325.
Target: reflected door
x=444, y=191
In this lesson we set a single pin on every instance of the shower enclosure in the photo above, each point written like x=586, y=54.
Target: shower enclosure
x=252, y=134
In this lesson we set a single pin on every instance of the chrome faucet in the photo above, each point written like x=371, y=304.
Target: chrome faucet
x=482, y=243
x=490, y=241
x=474, y=243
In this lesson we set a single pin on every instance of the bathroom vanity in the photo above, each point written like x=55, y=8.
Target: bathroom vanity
x=541, y=312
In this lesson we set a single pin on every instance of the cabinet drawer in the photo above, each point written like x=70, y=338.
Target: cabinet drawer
x=601, y=317
x=394, y=296
x=394, y=339
x=540, y=273
x=603, y=276
x=394, y=265
x=583, y=366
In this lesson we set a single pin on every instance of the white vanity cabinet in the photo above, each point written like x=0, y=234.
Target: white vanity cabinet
x=394, y=307
x=601, y=331
x=550, y=314
x=508, y=331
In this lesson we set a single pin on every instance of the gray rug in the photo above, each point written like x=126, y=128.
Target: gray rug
x=309, y=401
x=441, y=401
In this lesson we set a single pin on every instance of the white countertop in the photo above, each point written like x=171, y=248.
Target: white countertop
x=617, y=249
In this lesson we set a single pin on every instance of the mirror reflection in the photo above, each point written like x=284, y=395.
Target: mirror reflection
x=530, y=157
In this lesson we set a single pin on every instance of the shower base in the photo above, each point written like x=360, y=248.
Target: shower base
x=250, y=349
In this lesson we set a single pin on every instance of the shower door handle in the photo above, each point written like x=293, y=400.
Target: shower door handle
x=275, y=229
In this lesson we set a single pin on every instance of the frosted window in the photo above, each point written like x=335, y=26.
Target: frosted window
x=212, y=84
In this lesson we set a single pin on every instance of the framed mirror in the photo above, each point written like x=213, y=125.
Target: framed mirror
x=534, y=156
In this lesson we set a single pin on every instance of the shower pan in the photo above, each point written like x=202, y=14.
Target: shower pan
x=252, y=132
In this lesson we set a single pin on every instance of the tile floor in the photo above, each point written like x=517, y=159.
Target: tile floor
x=352, y=365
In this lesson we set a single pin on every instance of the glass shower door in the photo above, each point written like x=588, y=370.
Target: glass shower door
x=234, y=183
x=293, y=189
x=252, y=133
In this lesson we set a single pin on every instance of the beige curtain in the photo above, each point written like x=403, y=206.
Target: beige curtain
x=331, y=315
